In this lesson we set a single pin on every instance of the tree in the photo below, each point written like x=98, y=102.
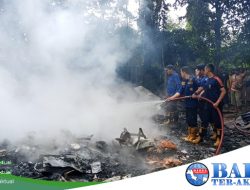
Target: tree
x=226, y=18
x=152, y=19
x=198, y=23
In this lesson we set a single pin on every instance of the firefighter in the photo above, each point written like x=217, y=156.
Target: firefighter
x=188, y=87
x=214, y=90
x=201, y=80
x=173, y=85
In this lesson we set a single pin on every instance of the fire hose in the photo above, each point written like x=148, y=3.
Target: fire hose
x=219, y=113
x=243, y=131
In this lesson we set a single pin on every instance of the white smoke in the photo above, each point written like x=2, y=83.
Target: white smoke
x=57, y=72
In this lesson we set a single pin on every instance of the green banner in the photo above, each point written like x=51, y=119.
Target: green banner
x=10, y=182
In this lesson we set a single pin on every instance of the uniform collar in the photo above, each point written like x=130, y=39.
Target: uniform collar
x=212, y=76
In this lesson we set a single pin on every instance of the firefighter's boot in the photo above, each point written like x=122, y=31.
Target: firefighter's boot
x=200, y=135
x=193, y=133
x=218, y=138
x=214, y=134
x=187, y=138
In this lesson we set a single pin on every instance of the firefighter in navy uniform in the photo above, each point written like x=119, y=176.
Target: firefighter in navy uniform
x=173, y=85
x=188, y=87
x=214, y=90
x=201, y=79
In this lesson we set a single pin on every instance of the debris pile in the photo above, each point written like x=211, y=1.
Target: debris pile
x=165, y=163
x=138, y=140
x=78, y=162
x=167, y=144
x=131, y=154
x=243, y=122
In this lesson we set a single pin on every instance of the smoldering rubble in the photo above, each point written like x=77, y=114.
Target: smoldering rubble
x=83, y=159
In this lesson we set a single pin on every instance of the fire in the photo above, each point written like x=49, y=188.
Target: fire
x=167, y=144
x=166, y=162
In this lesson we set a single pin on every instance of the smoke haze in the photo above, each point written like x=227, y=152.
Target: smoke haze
x=58, y=72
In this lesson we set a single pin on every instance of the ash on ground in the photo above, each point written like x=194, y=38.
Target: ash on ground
x=131, y=154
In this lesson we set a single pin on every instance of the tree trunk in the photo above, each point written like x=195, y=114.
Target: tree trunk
x=217, y=29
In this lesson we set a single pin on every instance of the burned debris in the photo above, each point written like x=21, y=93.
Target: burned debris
x=86, y=160
x=139, y=141
x=242, y=123
x=131, y=154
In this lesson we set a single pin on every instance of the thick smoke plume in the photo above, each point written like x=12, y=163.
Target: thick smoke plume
x=58, y=72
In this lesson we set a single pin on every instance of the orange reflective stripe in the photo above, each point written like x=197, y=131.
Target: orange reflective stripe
x=219, y=81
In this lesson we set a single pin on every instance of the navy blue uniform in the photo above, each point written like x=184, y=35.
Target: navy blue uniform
x=224, y=78
x=212, y=89
x=201, y=81
x=188, y=87
x=173, y=86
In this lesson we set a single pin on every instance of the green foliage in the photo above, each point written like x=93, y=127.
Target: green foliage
x=217, y=31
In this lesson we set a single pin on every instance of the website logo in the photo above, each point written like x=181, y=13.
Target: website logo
x=231, y=174
x=197, y=174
